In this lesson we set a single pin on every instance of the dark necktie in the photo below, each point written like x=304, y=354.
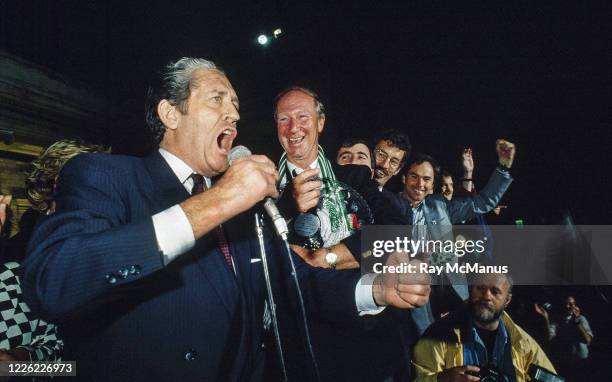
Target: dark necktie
x=199, y=186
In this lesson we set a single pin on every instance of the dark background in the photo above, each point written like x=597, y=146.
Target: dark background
x=451, y=75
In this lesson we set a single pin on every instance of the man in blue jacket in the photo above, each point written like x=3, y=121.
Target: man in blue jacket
x=432, y=217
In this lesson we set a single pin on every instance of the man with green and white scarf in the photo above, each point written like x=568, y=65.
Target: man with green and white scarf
x=304, y=172
x=300, y=118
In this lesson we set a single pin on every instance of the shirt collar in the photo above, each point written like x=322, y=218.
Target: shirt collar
x=418, y=207
x=291, y=167
x=501, y=340
x=181, y=169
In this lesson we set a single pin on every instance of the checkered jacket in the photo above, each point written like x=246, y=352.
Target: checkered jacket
x=19, y=327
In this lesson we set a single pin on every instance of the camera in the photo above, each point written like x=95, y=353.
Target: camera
x=488, y=373
x=541, y=374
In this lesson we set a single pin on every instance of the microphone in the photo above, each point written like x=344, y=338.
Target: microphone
x=307, y=228
x=280, y=225
x=306, y=225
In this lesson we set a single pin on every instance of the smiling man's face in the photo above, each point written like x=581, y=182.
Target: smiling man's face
x=418, y=182
x=203, y=135
x=388, y=161
x=298, y=127
x=447, y=187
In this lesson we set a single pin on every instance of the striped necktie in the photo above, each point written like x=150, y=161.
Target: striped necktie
x=199, y=186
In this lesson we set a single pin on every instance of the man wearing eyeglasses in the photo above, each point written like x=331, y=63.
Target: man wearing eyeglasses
x=391, y=151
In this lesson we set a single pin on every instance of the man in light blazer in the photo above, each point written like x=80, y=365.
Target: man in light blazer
x=433, y=216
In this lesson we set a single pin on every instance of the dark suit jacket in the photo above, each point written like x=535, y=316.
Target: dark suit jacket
x=380, y=347
x=95, y=268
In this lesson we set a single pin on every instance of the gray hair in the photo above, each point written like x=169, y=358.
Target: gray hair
x=319, y=107
x=173, y=84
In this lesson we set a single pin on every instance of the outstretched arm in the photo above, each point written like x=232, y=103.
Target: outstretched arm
x=467, y=161
x=466, y=208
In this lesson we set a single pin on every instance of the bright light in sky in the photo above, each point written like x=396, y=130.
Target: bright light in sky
x=262, y=39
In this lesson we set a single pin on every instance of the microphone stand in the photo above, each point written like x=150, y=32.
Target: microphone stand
x=280, y=226
x=264, y=263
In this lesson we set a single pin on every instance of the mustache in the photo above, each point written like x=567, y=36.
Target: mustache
x=486, y=304
x=382, y=170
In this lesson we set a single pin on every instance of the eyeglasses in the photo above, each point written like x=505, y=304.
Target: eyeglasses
x=382, y=156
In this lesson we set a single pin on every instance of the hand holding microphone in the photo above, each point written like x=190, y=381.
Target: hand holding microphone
x=307, y=189
x=240, y=154
x=249, y=180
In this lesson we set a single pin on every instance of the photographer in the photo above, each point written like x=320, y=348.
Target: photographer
x=571, y=337
x=479, y=341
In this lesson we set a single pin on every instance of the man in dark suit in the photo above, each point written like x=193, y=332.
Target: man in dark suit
x=154, y=274
x=344, y=352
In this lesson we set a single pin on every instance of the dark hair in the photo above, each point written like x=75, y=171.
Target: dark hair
x=396, y=139
x=422, y=158
x=446, y=174
x=173, y=84
x=438, y=182
x=319, y=107
x=349, y=142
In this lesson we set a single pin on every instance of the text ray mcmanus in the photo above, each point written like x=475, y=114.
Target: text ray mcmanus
x=424, y=268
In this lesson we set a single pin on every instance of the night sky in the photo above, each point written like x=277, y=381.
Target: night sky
x=451, y=75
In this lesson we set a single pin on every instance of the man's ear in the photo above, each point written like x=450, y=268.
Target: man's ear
x=168, y=114
x=508, y=300
x=403, y=179
x=321, y=123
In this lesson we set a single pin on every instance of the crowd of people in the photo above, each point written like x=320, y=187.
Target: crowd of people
x=150, y=269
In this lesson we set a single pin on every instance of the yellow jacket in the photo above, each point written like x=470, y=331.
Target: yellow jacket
x=441, y=348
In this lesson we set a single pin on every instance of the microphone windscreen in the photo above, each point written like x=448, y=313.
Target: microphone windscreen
x=306, y=225
x=237, y=153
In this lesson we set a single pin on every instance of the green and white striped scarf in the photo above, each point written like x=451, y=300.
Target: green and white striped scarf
x=333, y=199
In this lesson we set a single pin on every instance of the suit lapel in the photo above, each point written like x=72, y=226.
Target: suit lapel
x=169, y=191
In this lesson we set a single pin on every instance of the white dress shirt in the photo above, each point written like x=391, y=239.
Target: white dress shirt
x=175, y=235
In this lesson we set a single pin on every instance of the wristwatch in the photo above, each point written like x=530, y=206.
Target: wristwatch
x=503, y=168
x=331, y=259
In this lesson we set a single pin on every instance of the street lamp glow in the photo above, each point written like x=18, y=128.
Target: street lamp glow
x=277, y=32
x=262, y=39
